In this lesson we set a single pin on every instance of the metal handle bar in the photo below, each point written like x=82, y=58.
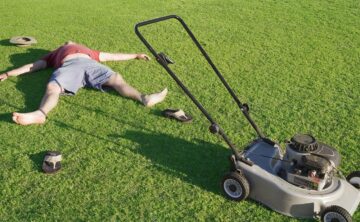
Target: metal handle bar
x=163, y=62
x=243, y=108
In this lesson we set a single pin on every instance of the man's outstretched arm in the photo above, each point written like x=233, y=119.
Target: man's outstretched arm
x=31, y=67
x=106, y=56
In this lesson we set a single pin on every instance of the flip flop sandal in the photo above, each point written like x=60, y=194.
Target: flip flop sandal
x=177, y=114
x=51, y=163
x=23, y=41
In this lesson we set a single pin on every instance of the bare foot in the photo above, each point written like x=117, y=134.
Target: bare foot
x=36, y=117
x=152, y=99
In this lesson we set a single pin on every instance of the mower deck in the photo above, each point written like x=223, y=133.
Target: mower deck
x=271, y=190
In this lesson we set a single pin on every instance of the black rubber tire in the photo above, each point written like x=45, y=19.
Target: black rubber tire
x=235, y=186
x=352, y=176
x=334, y=214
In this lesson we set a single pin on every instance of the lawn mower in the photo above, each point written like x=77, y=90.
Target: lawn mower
x=304, y=182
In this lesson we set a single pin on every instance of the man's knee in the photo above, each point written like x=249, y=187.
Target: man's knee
x=115, y=79
x=119, y=78
x=54, y=87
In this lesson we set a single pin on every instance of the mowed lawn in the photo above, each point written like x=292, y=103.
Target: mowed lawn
x=296, y=63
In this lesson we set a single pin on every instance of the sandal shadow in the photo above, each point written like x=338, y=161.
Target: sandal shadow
x=37, y=159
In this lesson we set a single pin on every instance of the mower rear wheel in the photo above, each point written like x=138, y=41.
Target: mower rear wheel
x=335, y=214
x=354, y=179
x=235, y=186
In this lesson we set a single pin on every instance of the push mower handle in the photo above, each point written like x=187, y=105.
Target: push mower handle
x=243, y=107
x=161, y=58
x=156, y=20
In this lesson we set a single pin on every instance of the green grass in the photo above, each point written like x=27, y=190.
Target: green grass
x=295, y=62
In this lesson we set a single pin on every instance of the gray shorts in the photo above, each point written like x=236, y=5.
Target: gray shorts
x=79, y=72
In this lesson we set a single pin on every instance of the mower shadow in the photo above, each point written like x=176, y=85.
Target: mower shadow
x=197, y=162
x=32, y=86
x=201, y=163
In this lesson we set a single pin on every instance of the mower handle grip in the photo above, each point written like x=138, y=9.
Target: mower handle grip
x=156, y=20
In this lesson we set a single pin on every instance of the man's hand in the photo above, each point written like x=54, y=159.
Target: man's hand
x=143, y=57
x=3, y=76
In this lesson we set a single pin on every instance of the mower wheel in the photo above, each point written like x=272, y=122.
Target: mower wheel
x=335, y=213
x=235, y=186
x=354, y=179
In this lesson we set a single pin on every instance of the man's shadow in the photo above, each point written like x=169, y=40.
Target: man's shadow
x=200, y=163
x=31, y=85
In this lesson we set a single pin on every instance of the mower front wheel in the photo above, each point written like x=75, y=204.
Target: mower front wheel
x=354, y=179
x=335, y=213
x=235, y=186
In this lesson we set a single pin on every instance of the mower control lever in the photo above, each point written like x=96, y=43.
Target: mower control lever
x=166, y=59
x=214, y=128
x=245, y=107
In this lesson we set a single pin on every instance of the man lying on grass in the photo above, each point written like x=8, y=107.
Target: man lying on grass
x=78, y=66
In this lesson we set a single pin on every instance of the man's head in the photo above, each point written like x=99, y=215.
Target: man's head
x=69, y=43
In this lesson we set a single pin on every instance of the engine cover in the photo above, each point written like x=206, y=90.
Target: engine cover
x=306, y=145
x=308, y=163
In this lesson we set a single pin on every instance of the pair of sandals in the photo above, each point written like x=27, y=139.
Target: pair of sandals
x=177, y=114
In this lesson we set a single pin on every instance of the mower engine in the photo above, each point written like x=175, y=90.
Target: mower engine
x=308, y=163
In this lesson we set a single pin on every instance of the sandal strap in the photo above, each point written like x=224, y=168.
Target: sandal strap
x=179, y=113
x=42, y=111
x=53, y=159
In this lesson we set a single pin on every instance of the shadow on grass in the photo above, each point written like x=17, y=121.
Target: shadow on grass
x=5, y=42
x=31, y=85
x=157, y=112
x=38, y=158
x=6, y=117
x=99, y=111
x=201, y=163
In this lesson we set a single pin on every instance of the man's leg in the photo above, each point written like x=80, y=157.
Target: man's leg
x=118, y=83
x=48, y=102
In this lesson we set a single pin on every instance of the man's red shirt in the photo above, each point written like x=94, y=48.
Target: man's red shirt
x=55, y=58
